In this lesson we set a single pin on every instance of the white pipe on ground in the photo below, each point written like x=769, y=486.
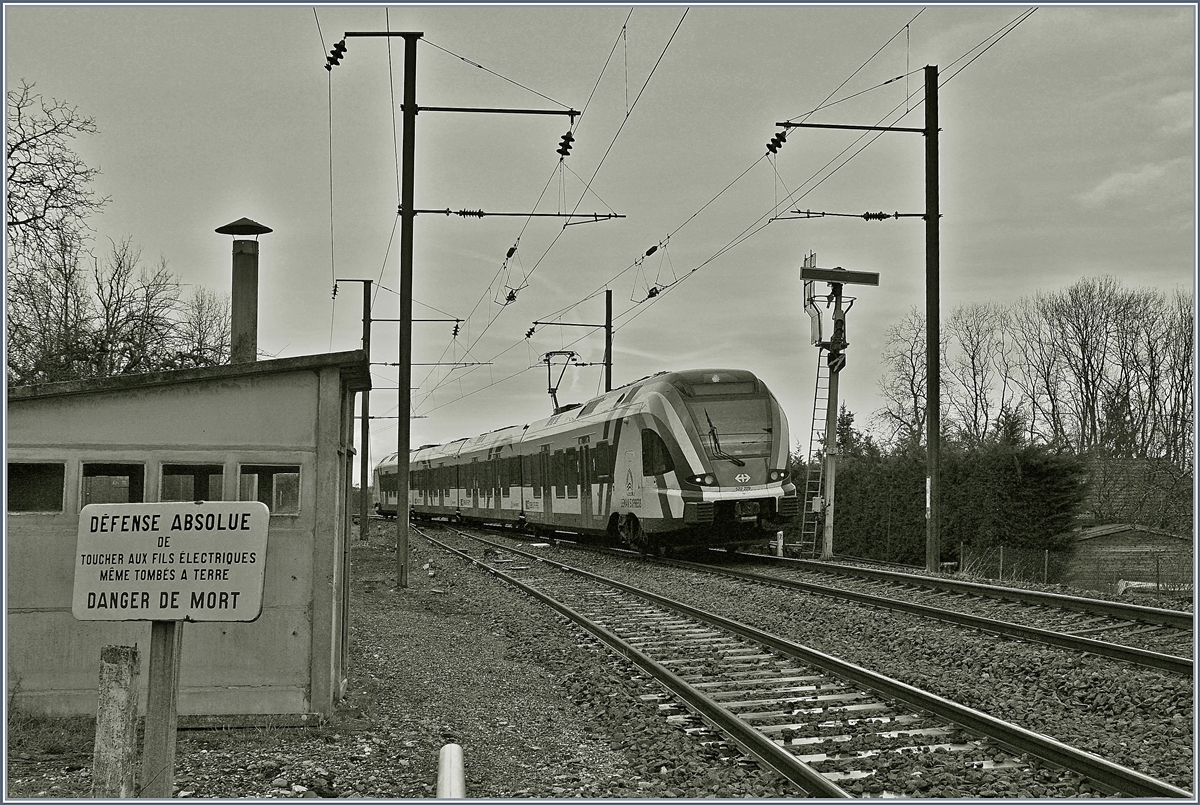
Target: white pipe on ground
x=451, y=782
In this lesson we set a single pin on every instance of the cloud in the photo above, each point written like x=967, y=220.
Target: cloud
x=1124, y=184
x=1175, y=112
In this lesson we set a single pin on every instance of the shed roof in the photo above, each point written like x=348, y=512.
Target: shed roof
x=353, y=364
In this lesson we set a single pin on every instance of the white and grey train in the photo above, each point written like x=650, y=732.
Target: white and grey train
x=688, y=458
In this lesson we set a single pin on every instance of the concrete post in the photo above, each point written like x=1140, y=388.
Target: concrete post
x=114, y=758
x=451, y=780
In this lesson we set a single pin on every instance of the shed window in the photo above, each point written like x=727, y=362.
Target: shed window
x=277, y=485
x=184, y=482
x=655, y=458
x=36, y=487
x=114, y=483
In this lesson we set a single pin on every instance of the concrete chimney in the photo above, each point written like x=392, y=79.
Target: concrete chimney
x=243, y=333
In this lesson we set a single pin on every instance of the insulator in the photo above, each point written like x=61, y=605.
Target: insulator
x=512, y=250
x=651, y=250
x=875, y=216
x=471, y=213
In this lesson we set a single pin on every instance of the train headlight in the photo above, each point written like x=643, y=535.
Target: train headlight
x=778, y=475
x=703, y=480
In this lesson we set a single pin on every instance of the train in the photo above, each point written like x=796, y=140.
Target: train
x=679, y=459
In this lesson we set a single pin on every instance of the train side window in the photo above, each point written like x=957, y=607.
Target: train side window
x=186, y=482
x=572, y=472
x=277, y=485
x=602, y=462
x=114, y=483
x=536, y=473
x=36, y=487
x=655, y=458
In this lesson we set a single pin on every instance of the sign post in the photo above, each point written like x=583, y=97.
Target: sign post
x=169, y=563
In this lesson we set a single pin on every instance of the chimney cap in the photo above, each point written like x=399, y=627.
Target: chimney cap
x=243, y=226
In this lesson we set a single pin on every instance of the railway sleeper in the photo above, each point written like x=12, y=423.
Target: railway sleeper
x=873, y=721
x=885, y=740
x=739, y=695
x=749, y=684
x=817, y=758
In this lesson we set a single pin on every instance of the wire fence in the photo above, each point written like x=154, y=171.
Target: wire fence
x=1129, y=571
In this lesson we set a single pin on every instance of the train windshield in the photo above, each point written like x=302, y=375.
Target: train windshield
x=733, y=428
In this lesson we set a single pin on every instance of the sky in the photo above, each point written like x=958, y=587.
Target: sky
x=1067, y=149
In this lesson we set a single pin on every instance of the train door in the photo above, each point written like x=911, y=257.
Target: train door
x=474, y=482
x=548, y=481
x=497, y=483
x=585, y=484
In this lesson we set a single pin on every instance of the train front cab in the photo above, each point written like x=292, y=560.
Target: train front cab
x=737, y=484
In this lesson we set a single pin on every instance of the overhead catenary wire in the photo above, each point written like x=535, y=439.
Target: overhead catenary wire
x=749, y=231
x=632, y=313
x=488, y=290
x=600, y=164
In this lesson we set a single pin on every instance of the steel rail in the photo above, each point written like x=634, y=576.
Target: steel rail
x=1115, y=609
x=1143, y=657
x=1018, y=739
x=753, y=742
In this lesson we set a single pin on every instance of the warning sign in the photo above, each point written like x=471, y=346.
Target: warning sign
x=201, y=561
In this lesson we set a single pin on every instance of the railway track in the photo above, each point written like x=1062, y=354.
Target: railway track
x=830, y=727
x=1022, y=621
x=1145, y=636
x=1158, y=631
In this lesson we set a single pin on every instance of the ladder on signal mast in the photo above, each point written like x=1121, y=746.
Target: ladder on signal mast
x=812, y=517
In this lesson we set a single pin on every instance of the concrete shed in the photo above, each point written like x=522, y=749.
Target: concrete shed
x=278, y=431
x=1104, y=556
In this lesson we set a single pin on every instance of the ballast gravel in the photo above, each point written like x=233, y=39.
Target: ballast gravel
x=1138, y=717
x=541, y=710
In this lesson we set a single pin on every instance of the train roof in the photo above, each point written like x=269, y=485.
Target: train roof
x=687, y=381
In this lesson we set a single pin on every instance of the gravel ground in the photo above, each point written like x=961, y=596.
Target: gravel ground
x=536, y=704
x=541, y=710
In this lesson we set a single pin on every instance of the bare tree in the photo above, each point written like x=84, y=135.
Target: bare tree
x=976, y=336
x=63, y=320
x=903, y=385
x=48, y=314
x=48, y=188
x=135, y=328
x=1175, y=403
x=1040, y=370
x=204, y=329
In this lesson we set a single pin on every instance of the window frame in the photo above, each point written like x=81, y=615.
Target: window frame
x=279, y=469
x=84, y=464
x=162, y=476
x=62, y=497
x=654, y=446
